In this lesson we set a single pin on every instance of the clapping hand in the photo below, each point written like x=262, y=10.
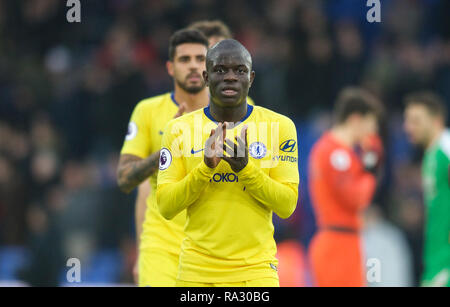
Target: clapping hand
x=237, y=154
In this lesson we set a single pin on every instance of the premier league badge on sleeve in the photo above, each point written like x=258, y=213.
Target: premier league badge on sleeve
x=165, y=159
x=257, y=150
x=132, y=131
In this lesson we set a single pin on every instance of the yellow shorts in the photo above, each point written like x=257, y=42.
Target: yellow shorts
x=262, y=282
x=157, y=268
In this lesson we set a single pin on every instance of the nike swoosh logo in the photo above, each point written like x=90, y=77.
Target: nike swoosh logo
x=195, y=151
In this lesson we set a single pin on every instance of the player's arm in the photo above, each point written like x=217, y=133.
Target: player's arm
x=278, y=191
x=136, y=164
x=133, y=170
x=441, y=198
x=137, y=161
x=176, y=190
x=141, y=207
x=172, y=198
x=355, y=191
x=280, y=197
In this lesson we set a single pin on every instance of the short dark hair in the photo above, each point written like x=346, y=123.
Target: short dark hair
x=185, y=36
x=227, y=45
x=432, y=102
x=211, y=28
x=353, y=100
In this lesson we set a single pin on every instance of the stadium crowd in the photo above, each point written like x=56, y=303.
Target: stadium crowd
x=67, y=91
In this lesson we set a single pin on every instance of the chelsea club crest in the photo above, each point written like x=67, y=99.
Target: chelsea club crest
x=257, y=150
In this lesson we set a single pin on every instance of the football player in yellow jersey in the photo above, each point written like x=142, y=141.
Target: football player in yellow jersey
x=228, y=186
x=158, y=239
x=147, y=219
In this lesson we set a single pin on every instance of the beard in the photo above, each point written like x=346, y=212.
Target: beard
x=191, y=89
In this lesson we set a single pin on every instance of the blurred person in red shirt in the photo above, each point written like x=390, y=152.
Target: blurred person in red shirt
x=291, y=263
x=342, y=182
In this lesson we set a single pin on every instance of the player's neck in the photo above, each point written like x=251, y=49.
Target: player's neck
x=192, y=101
x=228, y=114
x=435, y=137
x=343, y=135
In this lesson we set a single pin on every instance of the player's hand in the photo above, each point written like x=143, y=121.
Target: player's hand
x=136, y=271
x=181, y=110
x=372, y=153
x=237, y=153
x=214, y=145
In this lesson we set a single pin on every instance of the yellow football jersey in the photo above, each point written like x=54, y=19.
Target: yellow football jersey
x=145, y=131
x=229, y=230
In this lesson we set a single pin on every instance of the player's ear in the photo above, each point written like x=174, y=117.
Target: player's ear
x=169, y=66
x=205, y=77
x=252, y=77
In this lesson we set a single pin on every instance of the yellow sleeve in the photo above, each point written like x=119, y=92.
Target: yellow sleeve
x=176, y=190
x=137, y=141
x=278, y=191
x=286, y=161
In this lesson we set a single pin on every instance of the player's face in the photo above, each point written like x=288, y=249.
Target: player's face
x=418, y=124
x=229, y=78
x=187, y=67
x=365, y=125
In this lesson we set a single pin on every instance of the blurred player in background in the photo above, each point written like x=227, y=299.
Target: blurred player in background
x=214, y=30
x=425, y=116
x=158, y=239
x=229, y=197
x=342, y=183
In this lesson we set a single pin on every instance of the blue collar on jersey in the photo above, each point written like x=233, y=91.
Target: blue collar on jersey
x=172, y=96
x=208, y=113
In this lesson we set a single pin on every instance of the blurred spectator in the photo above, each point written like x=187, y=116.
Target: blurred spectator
x=385, y=242
x=292, y=264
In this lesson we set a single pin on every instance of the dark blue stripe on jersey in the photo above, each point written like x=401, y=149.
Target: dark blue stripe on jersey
x=172, y=96
x=208, y=114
